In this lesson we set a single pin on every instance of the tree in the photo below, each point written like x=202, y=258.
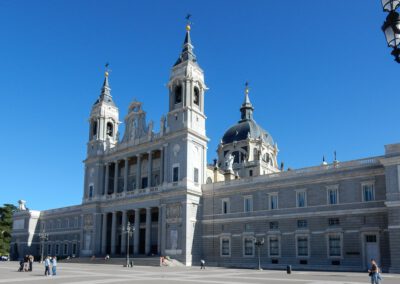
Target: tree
x=6, y=212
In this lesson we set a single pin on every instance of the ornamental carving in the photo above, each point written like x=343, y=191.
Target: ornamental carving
x=88, y=221
x=174, y=211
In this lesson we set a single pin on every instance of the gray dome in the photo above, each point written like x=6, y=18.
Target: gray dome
x=245, y=128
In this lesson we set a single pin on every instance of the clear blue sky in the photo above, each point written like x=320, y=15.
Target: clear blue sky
x=321, y=78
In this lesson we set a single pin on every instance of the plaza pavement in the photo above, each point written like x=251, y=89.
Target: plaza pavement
x=74, y=273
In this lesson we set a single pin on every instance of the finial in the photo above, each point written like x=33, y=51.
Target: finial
x=188, y=22
x=106, y=73
x=246, y=89
x=324, y=163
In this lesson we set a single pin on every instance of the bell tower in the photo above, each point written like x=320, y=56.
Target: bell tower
x=186, y=91
x=103, y=130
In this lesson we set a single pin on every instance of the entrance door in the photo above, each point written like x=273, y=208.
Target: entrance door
x=372, y=249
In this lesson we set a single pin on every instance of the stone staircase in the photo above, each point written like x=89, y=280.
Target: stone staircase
x=139, y=261
x=172, y=263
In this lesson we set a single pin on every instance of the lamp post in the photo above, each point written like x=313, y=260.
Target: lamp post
x=43, y=237
x=129, y=231
x=259, y=244
x=391, y=27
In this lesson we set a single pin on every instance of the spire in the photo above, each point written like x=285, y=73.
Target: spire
x=247, y=108
x=105, y=89
x=187, y=50
x=105, y=95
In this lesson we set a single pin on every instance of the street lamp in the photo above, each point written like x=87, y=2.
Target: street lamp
x=129, y=231
x=391, y=26
x=259, y=244
x=43, y=237
x=390, y=5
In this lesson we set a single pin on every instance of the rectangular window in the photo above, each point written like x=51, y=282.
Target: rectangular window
x=65, y=249
x=225, y=206
x=225, y=247
x=333, y=196
x=57, y=249
x=175, y=174
x=302, y=246
x=302, y=224
x=248, y=203
x=370, y=238
x=49, y=249
x=274, y=246
x=335, y=245
x=368, y=192
x=248, y=246
x=301, y=199
x=273, y=201
x=196, y=175
x=274, y=225
x=333, y=221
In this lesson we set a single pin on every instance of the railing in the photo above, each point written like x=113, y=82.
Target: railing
x=141, y=191
x=303, y=171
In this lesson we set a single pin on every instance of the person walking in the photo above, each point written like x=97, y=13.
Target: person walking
x=202, y=264
x=26, y=263
x=31, y=259
x=374, y=273
x=47, y=266
x=54, y=266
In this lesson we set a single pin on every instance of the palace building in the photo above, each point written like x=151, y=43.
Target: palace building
x=331, y=216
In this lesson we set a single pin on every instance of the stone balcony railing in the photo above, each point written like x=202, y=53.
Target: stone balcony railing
x=138, y=192
x=368, y=162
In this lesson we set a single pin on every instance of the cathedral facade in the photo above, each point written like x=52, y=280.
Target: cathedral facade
x=332, y=216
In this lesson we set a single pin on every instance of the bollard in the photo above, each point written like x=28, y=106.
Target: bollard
x=288, y=269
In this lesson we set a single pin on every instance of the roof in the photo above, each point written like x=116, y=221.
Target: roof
x=244, y=129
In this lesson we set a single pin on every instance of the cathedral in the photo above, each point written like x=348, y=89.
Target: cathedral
x=243, y=207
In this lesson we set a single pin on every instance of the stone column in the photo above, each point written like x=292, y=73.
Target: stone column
x=107, y=176
x=116, y=177
x=165, y=166
x=81, y=244
x=136, y=234
x=138, y=171
x=149, y=168
x=161, y=165
x=159, y=231
x=201, y=99
x=113, y=232
x=148, y=231
x=163, y=228
x=126, y=174
x=123, y=234
x=104, y=235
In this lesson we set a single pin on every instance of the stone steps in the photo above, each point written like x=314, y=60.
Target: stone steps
x=139, y=261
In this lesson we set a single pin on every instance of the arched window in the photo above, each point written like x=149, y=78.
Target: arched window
x=110, y=129
x=196, y=99
x=178, y=94
x=94, y=127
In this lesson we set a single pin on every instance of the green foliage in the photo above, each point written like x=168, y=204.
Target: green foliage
x=6, y=212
